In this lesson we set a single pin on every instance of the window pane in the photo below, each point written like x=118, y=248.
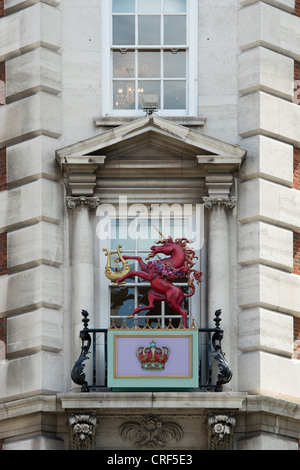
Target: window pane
x=174, y=64
x=123, y=6
x=123, y=30
x=174, y=29
x=148, y=86
x=122, y=301
x=149, y=30
x=149, y=64
x=123, y=65
x=124, y=94
x=143, y=301
x=174, y=6
x=148, y=6
x=175, y=96
x=119, y=234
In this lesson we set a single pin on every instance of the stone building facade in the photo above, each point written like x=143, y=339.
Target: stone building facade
x=68, y=145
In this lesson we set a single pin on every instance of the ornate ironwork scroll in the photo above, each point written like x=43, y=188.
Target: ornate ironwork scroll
x=221, y=427
x=225, y=372
x=83, y=427
x=151, y=432
x=77, y=374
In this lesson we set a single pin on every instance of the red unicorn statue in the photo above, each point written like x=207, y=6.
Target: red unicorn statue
x=161, y=273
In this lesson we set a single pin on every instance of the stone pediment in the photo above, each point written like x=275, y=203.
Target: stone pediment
x=143, y=147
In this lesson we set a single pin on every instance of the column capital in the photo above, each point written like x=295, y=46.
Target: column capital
x=228, y=203
x=219, y=185
x=83, y=201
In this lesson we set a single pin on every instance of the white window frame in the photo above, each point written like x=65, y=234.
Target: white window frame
x=103, y=285
x=191, y=73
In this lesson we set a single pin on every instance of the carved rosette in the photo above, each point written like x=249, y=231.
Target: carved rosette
x=89, y=202
x=226, y=202
x=83, y=427
x=151, y=432
x=221, y=428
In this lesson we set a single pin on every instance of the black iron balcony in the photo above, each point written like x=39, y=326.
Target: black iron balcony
x=213, y=369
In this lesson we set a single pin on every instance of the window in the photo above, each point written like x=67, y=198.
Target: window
x=137, y=235
x=152, y=51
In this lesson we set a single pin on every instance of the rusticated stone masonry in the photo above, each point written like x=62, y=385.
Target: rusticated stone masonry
x=3, y=187
x=296, y=266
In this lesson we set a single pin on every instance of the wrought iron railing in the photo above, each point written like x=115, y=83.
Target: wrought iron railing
x=214, y=370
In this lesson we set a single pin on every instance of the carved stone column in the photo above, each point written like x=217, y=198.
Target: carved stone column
x=220, y=430
x=82, y=262
x=219, y=203
x=82, y=430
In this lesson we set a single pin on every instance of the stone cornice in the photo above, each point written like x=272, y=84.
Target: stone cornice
x=183, y=401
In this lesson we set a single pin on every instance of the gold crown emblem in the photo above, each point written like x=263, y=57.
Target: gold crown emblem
x=153, y=357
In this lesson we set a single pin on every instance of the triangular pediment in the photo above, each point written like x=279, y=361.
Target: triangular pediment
x=155, y=138
x=143, y=154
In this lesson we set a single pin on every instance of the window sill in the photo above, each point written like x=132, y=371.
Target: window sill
x=112, y=121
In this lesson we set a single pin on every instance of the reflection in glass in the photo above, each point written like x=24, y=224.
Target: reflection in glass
x=123, y=6
x=175, y=94
x=123, y=94
x=122, y=301
x=148, y=6
x=120, y=236
x=169, y=311
x=148, y=235
x=123, y=30
x=174, y=64
x=149, y=30
x=174, y=6
x=148, y=86
x=123, y=64
x=149, y=64
x=143, y=301
x=174, y=29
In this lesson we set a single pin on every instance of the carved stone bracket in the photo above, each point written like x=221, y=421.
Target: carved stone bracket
x=151, y=432
x=221, y=427
x=82, y=430
x=228, y=203
x=89, y=202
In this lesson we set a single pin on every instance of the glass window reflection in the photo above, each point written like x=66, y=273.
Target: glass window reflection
x=149, y=30
x=174, y=6
x=123, y=30
x=148, y=6
x=174, y=29
x=175, y=94
x=124, y=94
x=123, y=6
x=174, y=64
x=147, y=86
x=149, y=64
x=123, y=64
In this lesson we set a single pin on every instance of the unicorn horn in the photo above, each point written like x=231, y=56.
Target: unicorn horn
x=160, y=233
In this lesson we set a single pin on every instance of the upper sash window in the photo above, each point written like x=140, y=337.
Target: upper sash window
x=151, y=52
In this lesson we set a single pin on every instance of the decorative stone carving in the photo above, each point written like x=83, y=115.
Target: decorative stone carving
x=151, y=432
x=89, y=202
x=83, y=427
x=221, y=427
x=228, y=203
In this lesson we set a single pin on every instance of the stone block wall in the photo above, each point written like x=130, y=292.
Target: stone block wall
x=31, y=197
x=269, y=39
